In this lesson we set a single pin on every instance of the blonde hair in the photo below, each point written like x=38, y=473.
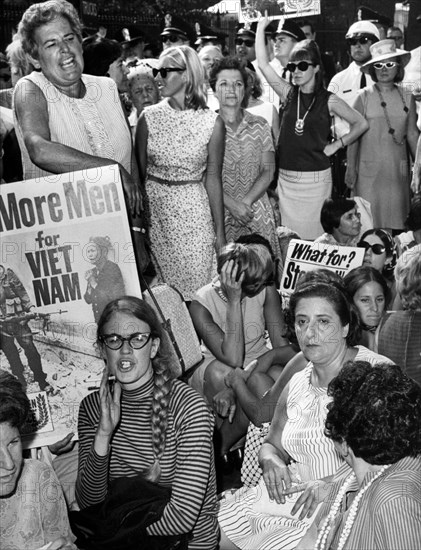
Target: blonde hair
x=186, y=58
x=408, y=278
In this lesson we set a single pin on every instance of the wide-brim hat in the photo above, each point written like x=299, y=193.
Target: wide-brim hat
x=385, y=49
x=289, y=27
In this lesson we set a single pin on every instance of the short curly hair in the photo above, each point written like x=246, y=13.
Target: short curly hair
x=14, y=403
x=408, y=278
x=231, y=63
x=376, y=410
x=40, y=14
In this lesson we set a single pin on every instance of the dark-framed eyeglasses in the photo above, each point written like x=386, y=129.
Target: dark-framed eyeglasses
x=362, y=40
x=301, y=65
x=165, y=70
x=247, y=42
x=137, y=340
x=385, y=65
x=173, y=38
x=376, y=248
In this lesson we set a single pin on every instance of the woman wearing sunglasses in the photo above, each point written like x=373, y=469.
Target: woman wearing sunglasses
x=304, y=147
x=149, y=424
x=378, y=167
x=180, y=148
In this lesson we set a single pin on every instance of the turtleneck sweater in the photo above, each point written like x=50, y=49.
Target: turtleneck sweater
x=187, y=464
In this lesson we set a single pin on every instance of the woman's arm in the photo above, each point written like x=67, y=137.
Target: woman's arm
x=280, y=86
x=412, y=132
x=31, y=111
x=194, y=474
x=259, y=187
x=416, y=178
x=274, y=318
x=141, y=146
x=357, y=123
x=353, y=150
x=213, y=181
x=275, y=125
x=228, y=347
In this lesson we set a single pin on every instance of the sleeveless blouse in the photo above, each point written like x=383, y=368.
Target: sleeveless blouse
x=94, y=124
x=178, y=141
x=305, y=153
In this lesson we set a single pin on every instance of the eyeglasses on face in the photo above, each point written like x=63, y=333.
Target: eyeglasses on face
x=376, y=248
x=137, y=340
x=301, y=65
x=171, y=38
x=165, y=70
x=385, y=65
x=362, y=40
x=241, y=41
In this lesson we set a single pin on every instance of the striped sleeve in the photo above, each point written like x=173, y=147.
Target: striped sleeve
x=92, y=479
x=398, y=521
x=194, y=464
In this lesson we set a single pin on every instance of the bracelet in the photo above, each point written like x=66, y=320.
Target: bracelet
x=139, y=229
x=343, y=144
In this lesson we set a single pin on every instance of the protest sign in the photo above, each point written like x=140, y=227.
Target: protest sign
x=305, y=256
x=251, y=10
x=66, y=251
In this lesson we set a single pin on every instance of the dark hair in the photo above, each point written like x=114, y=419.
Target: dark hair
x=332, y=212
x=413, y=221
x=14, y=403
x=337, y=297
x=164, y=374
x=256, y=238
x=308, y=49
x=376, y=409
x=399, y=74
x=40, y=14
x=231, y=63
x=255, y=84
x=362, y=275
x=390, y=246
x=99, y=54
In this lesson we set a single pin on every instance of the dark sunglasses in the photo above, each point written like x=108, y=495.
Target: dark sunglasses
x=301, y=65
x=241, y=41
x=376, y=248
x=165, y=70
x=386, y=64
x=354, y=41
x=171, y=37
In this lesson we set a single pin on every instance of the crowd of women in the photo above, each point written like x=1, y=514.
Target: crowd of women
x=332, y=426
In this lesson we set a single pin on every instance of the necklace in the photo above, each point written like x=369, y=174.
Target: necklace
x=327, y=525
x=386, y=114
x=299, y=124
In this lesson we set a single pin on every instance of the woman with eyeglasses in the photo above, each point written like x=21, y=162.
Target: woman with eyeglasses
x=378, y=167
x=147, y=424
x=180, y=148
x=304, y=145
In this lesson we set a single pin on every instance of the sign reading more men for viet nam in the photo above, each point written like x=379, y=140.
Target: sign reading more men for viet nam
x=251, y=10
x=66, y=251
x=305, y=256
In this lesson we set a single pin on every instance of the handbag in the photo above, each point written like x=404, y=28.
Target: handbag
x=119, y=522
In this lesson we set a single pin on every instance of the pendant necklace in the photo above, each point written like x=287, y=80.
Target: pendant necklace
x=299, y=124
x=386, y=114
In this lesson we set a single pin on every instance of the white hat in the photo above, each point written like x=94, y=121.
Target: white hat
x=385, y=49
x=363, y=27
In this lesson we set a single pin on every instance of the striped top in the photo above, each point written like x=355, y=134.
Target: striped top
x=303, y=435
x=389, y=514
x=94, y=124
x=187, y=463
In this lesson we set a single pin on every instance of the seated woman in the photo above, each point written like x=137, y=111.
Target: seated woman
x=231, y=315
x=369, y=291
x=340, y=220
x=296, y=449
x=374, y=423
x=32, y=508
x=413, y=223
x=400, y=331
x=157, y=425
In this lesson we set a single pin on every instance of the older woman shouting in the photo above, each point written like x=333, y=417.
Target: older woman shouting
x=65, y=120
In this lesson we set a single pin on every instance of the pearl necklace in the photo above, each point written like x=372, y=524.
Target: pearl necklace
x=327, y=525
x=386, y=114
x=299, y=124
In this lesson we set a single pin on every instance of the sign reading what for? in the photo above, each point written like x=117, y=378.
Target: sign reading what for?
x=305, y=256
x=66, y=251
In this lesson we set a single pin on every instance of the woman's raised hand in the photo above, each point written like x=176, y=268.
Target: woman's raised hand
x=110, y=407
x=231, y=280
x=276, y=477
x=264, y=21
